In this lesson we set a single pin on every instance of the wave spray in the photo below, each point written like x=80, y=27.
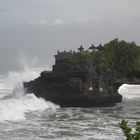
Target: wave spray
x=14, y=103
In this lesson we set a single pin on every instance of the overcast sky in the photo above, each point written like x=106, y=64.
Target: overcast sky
x=36, y=29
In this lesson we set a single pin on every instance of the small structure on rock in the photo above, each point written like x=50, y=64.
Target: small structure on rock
x=86, y=79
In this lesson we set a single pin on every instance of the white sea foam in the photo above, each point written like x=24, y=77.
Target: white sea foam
x=14, y=109
x=130, y=91
x=14, y=104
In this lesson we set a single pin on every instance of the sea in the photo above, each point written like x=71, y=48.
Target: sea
x=26, y=117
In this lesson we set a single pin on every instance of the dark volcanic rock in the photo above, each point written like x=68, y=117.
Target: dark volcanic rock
x=76, y=82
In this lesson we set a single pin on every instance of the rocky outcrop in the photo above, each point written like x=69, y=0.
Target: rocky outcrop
x=77, y=82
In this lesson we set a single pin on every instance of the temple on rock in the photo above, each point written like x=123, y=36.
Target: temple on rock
x=86, y=78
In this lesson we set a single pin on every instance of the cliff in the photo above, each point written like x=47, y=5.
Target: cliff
x=77, y=80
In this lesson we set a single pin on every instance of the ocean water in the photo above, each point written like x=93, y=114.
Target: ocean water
x=25, y=117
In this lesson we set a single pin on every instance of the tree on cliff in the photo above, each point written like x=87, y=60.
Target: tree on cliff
x=81, y=48
x=100, y=47
x=118, y=54
x=123, y=54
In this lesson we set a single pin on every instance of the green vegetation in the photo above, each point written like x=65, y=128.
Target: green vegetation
x=129, y=134
x=115, y=54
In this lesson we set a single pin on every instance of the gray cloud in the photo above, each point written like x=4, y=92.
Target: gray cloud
x=40, y=27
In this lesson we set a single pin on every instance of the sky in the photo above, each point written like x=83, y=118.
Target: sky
x=31, y=31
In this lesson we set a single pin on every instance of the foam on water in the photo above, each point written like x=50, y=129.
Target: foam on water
x=14, y=109
x=130, y=91
x=14, y=104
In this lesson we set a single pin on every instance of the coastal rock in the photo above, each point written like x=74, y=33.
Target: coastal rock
x=76, y=82
x=89, y=78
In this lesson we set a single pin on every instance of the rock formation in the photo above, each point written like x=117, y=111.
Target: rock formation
x=76, y=81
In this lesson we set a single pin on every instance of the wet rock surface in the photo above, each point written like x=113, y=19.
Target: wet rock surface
x=76, y=82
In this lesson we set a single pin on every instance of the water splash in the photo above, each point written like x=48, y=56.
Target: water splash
x=15, y=103
x=15, y=109
x=130, y=91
